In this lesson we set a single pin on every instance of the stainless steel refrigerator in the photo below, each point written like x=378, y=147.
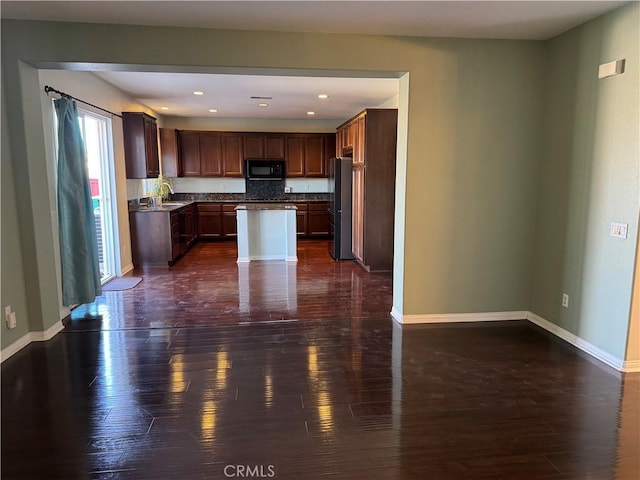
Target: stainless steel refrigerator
x=340, y=207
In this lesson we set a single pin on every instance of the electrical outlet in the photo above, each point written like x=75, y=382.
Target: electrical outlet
x=565, y=300
x=9, y=317
x=287, y=189
x=12, y=320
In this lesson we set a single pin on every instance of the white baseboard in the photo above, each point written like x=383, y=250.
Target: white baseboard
x=631, y=366
x=459, y=317
x=576, y=341
x=585, y=346
x=26, y=339
x=126, y=269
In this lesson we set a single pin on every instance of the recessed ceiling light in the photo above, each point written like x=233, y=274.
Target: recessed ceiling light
x=323, y=95
x=263, y=104
x=198, y=92
x=213, y=110
x=164, y=108
x=311, y=113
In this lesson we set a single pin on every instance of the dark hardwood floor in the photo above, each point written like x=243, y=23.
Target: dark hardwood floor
x=206, y=371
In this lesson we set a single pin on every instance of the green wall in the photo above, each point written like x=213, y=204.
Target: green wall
x=490, y=138
x=589, y=177
x=12, y=289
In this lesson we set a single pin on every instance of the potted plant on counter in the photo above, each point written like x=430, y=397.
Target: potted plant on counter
x=161, y=189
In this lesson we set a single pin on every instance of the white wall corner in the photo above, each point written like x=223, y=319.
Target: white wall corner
x=582, y=344
x=396, y=314
x=126, y=269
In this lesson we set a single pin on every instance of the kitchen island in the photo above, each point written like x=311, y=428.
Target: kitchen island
x=266, y=231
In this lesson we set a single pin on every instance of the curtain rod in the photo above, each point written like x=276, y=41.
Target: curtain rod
x=49, y=89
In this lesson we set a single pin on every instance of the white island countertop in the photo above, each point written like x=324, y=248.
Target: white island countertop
x=267, y=231
x=266, y=206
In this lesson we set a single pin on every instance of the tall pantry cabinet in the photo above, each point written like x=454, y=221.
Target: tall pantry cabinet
x=370, y=138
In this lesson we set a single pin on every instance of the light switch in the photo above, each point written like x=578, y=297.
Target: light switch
x=618, y=230
x=611, y=69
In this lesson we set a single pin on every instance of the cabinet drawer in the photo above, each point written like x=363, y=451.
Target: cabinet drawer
x=209, y=207
x=229, y=207
x=318, y=207
x=302, y=207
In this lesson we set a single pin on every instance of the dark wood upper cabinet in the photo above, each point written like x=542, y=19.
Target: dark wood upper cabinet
x=295, y=155
x=263, y=145
x=232, y=155
x=210, y=154
x=140, y=145
x=274, y=146
x=314, y=161
x=253, y=145
x=169, y=152
x=189, y=148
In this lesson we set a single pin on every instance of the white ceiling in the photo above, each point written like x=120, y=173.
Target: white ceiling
x=537, y=20
x=294, y=96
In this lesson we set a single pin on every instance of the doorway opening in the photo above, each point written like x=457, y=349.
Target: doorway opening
x=96, y=132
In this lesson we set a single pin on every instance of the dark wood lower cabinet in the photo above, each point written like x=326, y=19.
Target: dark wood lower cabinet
x=161, y=237
x=229, y=221
x=318, y=220
x=209, y=221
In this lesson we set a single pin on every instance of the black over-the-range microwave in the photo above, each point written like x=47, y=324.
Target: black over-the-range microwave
x=255, y=169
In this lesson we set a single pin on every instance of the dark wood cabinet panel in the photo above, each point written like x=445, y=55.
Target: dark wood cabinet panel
x=210, y=154
x=373, y=136
x=189, y=153
x=274, y=147
x=314, y=161
x=253, y=145
x=232, y=155
x=140, y=133
x=209, y=220
x=301, y=219
x=295, y=155
x=318, y=221
x=229, y=220
x=169, y=152
x=329, y=151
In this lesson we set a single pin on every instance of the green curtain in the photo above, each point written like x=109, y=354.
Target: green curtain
x=76, y=223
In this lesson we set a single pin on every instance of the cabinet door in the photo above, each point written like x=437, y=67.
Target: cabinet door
x=295, y=156
x=232, y=155
x=151, y=143
x=210, y=154
x=359, y=144
x=169, y=152
x=209, y=221
x=189, y=148
x=274, y=146
x=318, y=220
x=314, y=156
x=339, y=135
x=229, y=221
x=358, y=212
x=253, y=145
x=329, y=151
x=302, y=220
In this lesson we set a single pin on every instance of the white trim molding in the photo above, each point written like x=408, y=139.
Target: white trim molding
x=587, y=347
x=41, y=336
x=458, y=317
x=576, y=341
x=126, y=269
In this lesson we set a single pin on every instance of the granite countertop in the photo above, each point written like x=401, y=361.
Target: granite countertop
x=244, y=198
x=266, y=206
x=179, y=200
